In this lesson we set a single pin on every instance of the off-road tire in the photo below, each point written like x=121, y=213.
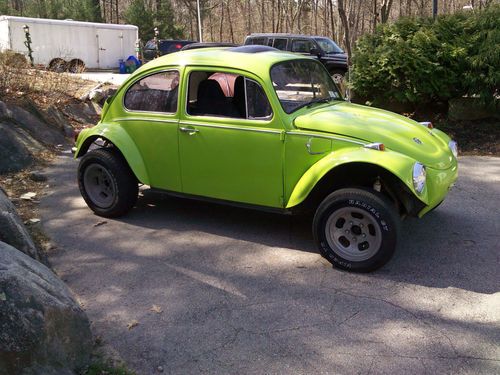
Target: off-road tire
x=381, y=228
x=120, y=178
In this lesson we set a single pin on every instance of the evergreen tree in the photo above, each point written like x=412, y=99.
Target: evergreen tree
x=137, y=14
x=164, y=20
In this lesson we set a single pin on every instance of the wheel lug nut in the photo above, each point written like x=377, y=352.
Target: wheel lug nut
x=354, y=239
x=347, y=231
x=361, y=225
x=350, y=223
x=364, y=235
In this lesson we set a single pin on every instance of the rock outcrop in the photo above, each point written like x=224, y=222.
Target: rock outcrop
x=28, y=122
x=42, y=328
x=13, y=231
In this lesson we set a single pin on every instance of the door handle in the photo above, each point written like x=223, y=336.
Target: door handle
x=188, y=130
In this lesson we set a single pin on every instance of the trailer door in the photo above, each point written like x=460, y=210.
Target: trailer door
x=110, y=48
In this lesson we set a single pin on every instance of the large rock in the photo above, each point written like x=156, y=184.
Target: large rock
x=54, y=116
x=16, y=148
x=30, y=123
x=12, y=229
x=42, y=328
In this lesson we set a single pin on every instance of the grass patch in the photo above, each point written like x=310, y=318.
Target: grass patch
x=103, y=368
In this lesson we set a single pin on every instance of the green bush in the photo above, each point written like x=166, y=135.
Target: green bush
x=420, y=61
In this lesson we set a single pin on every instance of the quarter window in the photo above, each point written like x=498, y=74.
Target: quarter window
x=155, y=93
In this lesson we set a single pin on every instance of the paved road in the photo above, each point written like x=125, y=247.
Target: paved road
x=104, y=77
x=245, y=292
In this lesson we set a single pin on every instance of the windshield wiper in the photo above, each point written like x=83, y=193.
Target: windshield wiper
x=314, y=101
x=321, y=100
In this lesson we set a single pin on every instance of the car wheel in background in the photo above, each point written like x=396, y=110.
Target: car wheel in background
x=76, y=66
x=57, y=65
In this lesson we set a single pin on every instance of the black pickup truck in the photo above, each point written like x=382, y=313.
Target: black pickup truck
x=325, y=49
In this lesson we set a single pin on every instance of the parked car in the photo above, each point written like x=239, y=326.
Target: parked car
x=323, y=48
x=165, y=46
x=281, y=138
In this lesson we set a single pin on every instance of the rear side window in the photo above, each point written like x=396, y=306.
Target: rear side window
x=155, y=93
x=280, y=44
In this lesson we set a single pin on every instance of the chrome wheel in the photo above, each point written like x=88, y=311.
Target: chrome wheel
x=338, y=78
x=99, y=185
x=353, y=233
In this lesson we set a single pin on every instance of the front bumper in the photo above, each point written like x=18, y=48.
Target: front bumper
x=439, y=182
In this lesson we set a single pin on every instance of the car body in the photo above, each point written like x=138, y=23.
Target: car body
x=323, y=48
x=165, y=46
x=258, y=127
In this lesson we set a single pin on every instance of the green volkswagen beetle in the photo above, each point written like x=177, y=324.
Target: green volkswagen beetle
x=266, y=129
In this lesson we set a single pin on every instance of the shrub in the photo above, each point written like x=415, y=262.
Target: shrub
x=420, y=61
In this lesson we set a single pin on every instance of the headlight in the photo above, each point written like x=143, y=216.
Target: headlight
x=419, y=177
x=454, y=148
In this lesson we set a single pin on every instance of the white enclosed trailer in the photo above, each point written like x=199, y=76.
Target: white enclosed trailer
x=97, y=45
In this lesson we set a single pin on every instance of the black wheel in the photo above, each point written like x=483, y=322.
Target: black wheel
x=57, y=65
x=338, y=76
x=107, y=183
x=356, y=229
x=76, y=66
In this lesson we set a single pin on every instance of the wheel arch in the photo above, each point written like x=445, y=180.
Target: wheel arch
x=359, y=168
x=123, y=143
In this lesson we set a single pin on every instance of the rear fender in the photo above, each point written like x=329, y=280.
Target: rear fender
x=120, y=139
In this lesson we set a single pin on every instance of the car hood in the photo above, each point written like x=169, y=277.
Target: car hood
x=396, y=132
x=337, y=56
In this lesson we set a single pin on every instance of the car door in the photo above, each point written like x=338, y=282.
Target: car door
x=150, y=117
x=231, y=148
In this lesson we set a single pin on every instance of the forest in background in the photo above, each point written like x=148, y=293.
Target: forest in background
x=231, y=20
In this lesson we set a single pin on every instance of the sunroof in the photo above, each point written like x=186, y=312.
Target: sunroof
x=252, y=49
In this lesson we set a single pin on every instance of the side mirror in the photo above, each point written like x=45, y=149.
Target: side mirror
x=315, y=51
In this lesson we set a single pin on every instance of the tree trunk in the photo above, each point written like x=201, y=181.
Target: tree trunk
x=385, y=10
x=345, y=24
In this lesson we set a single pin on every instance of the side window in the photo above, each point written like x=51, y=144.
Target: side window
x=280, y=44
x=155, y=93
x=302, y=46
x=221, y=94
x=260, y=41
x=257, y=104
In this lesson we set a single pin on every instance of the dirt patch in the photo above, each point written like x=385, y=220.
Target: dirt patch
x=480, y=137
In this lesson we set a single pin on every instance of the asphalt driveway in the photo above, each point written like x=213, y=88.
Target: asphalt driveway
x=201, y=288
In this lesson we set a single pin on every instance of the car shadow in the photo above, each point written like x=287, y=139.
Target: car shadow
x=438, y=250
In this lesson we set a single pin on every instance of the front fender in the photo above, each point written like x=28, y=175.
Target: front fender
x=121, y=139
x=398, y=164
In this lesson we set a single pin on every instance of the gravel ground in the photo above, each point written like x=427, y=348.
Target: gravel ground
x=201, y=288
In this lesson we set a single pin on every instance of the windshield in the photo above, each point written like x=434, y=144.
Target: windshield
x=328, y=45
x=299, y=83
